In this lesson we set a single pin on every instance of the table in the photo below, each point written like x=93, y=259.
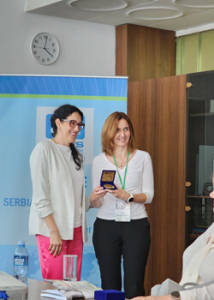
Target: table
x=35, y=287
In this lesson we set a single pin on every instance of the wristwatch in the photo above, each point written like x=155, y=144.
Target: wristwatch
x=131, y=198
x=176, y=295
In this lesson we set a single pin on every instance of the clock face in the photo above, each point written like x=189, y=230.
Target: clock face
x=45, y=48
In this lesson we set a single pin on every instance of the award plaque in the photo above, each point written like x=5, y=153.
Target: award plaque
x=107, y=179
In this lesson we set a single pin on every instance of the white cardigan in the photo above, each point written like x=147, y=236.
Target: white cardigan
x=53, y=192
x=198, y=266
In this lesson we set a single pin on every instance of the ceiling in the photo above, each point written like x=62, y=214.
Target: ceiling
x=177, y=15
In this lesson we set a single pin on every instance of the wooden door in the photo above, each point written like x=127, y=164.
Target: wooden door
x=157, y=108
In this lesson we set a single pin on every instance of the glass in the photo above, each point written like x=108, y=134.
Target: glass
x=70, y=267
x=74, y=123
x=200, y=154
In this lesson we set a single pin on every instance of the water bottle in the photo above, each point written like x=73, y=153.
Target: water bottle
x=20, y=262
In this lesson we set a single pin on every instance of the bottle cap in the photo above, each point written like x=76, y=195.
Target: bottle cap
x=21, y=243
x=3, y=295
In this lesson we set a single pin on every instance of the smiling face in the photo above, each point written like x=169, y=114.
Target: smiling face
x=65, y=134
x=122, y=136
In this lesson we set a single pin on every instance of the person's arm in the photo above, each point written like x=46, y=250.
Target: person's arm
x=147, y=180
x=203, y=293
x=41, y=195
x=98, y=192
x=167, y=297
x=147, y=185
x=123, y=195
x=55, y=238
x=40, y=181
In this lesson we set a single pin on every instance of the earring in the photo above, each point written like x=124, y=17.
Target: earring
x=58, y=129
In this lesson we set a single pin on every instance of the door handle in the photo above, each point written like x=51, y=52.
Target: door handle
x=187, y=208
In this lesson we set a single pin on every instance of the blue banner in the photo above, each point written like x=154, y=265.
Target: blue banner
x=26, y=105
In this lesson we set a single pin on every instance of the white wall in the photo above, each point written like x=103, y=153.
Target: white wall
x=85, y=48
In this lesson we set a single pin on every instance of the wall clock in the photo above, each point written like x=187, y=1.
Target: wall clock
x=45, y=48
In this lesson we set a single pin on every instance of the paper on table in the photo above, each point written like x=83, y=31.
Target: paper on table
x=53, y=294
x=61, y=294
x=81, y=288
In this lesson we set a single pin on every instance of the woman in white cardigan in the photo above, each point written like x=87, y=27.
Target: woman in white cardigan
x=197, y=276
x=57, y=215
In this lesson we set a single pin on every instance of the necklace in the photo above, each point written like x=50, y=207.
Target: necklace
x=124, y=179
x=121, y=162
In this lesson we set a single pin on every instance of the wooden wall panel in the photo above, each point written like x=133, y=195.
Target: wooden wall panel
x=121, y=54
x=144, y=53
x=158, y=110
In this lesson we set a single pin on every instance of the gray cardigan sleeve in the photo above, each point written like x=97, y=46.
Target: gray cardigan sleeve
x=40, y=181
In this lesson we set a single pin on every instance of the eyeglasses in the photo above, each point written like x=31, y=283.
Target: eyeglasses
x=74, y=123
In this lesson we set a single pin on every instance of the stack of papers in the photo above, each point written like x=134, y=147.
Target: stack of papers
x=59, y=294
x=70, y=289
x=56, y=294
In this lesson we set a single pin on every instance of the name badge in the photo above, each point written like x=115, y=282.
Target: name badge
x=122, y=212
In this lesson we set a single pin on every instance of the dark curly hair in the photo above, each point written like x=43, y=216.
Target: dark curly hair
x=63, y=112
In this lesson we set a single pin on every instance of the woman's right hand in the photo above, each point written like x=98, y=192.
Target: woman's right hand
x=55, y=247
x=96, y=195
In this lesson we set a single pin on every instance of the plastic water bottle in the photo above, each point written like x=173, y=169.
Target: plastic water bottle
x=20, y=262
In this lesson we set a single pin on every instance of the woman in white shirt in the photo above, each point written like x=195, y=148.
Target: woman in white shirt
x=197, y=282
x=122, y=230
x=57, y=215
x=198, y=293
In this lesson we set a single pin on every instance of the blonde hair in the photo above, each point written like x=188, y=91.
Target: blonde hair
x=109, y=130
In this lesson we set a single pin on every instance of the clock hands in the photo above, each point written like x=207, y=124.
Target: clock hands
x=45, y=42
x=46, y=49
x=41, y=47
x=48, y=52
x=46, y=38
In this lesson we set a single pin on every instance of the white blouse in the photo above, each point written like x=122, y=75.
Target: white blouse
x=206, y=269
x=139, y=179
x=76, y=176
x=198, y=263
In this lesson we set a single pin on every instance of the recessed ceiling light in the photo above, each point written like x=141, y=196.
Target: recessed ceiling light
x=98, y=5
x=155, y=13
x=195, y=3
